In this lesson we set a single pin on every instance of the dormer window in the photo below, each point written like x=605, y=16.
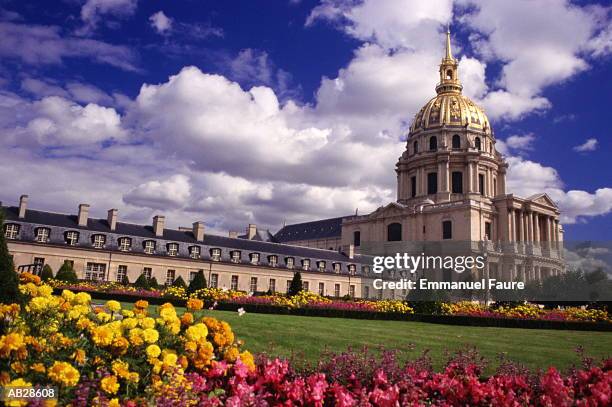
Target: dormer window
x=11, y=231
x=172, y=249
x=215, y=254
x=305, y=264
x=98, y=241
x=194, y=252
x=321, y=265
x=365, y=270
x=149, y=246
x=125, y=244
x=273, y=260
x=71, y=237
x=337, y=267
x=352, y=269
x=289, y=261
x=42, y=235
x=254, y=258
x=235, y=256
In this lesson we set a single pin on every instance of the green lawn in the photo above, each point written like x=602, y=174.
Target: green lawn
x=307, y=337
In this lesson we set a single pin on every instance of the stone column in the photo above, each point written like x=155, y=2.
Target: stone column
x=470, y=176
x=510, y=231
x=524, y=226
x=536, y=225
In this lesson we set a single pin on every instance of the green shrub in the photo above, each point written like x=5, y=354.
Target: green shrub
x=125, y=280
x=296, y=284
x=142, y=282
x=153, y=283
x=197, y=283
x=66, y=273
x=179, y=282
x=46, y=273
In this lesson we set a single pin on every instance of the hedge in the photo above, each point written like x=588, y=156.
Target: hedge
x=461, y=320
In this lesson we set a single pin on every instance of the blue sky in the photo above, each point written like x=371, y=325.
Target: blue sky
x=291, y=110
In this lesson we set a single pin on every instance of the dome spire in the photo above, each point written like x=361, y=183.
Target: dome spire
x=449, y=54
x=449, y=75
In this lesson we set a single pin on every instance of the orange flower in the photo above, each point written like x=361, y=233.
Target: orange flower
x=187, y=318
x=195, y=304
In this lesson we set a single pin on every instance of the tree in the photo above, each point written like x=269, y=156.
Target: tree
x=46, y=273
x=142, y=282
x=9, y=281
x=153, y=283
x=179, y=282
x=66, y=273
x=125, y=280
x=296, y=284
x=197, y=283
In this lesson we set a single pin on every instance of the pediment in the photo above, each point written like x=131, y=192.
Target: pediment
x=391, y=209
x=542, y=199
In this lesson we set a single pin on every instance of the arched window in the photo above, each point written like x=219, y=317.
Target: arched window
x=394, y=232
x=477, y=143
x=449, y=74
x=433, y=143
x=456, y=142
x=447, y=229
x=415, y=147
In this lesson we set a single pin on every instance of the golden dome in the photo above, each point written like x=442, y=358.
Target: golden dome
x=449, y=107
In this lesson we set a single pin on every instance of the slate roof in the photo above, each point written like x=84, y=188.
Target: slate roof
x=129, y=229
x=318, y=229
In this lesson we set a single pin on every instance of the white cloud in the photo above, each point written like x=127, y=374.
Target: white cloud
x=95, y=10
x=589, y=145
x=161, y=22
x=44, y=45
x=173, y=192
x=521, y=143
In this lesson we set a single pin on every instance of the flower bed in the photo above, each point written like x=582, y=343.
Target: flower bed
x=526, y=311
x=115, y=357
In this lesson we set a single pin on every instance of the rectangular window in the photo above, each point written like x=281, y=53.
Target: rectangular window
x=194, y=252
x=234, y=283
x=192, y=275
x=254, y=258
x=288, y=286
x=170, y=277
x=72, y=238
x=121, y=273
x=321, y=265
x=481, y=179
x=305, y=285
x=413, y=187
x=337, y=267
x=272, y=285
x=42, y=235
x=99, y=241
x=457, y=181
x=321, y=288
x=70, y=263
x=447, y=229
x=235, y=256
x=352, y=291
x=336, y=290
x=488, y=230
x=253, y=285
x=289, y=261
x=148, y=272
x=215, y=254
x=214, y=280
x=432, y=183
x=305, y=264
x=366, y=292
x=11, y=231
x=357, y=238
x=39, y=263
x=125, y=244
x=273, y=261
x=380, y=294
x=172, y=249
x=95, y=271
x=149, y=246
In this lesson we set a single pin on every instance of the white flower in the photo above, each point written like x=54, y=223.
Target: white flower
x=241, y=311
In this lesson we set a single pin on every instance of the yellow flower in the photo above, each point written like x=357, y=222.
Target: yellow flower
x=231, y=354
x=127, y=313
x=110, y=384
x=79, y=356
x=64, y=373
x=248, y=359
x=38, y=368
x=194, y=304
x=133, y=377
x=114, y=403
x=82, y=298
x=147, y=323
x=141, y=304
x=68, y=295
x=102, y=335
x=103, y=317
x=129, y=323
x=150, y=335
x=167, y=313
x=121, y=368
x=135, y=336
x=196, y=332
x=153, y=351
x=170, y=359
x=45, y=291
x=113, y=305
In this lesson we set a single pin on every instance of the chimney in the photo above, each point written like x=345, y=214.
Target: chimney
x=83, y=214
x=251, y=231
x=23, y=205
x=111, y=218
x=158, y=225
x=233, y=235
x=351, y=251
x=198, y=231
